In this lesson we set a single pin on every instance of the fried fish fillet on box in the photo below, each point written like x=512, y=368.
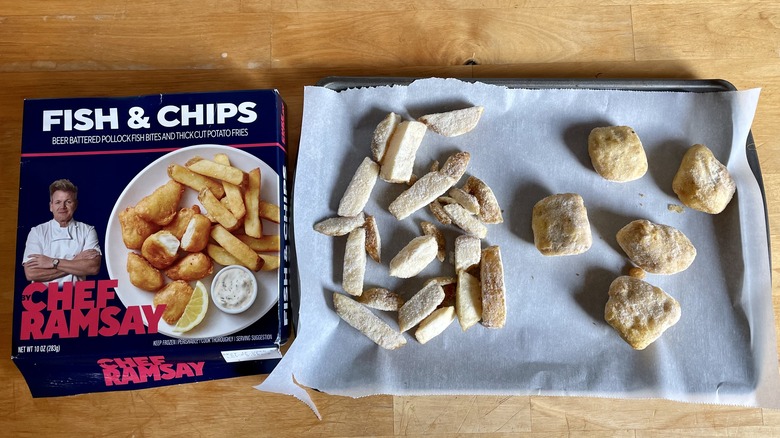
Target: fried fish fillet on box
x=373, y=240
x=422, y=304
x=468, y=300
x=196, y=234
x=191, y=267
x=435, y=324
x=161, y=205
x=143, y=275
x=381, y=299
x=194, y=180
x=339, y=226
x=489, y=210
x=174, y=296
x=134, y=229
x=160, y=249
x=384, y=130
x=359, y=317
x=359, y=189
x=453, y=123
x=398, y=162
x=178, y=225
x=414, y=257
x=354, y=262
x=432, y=185
x=493, y=290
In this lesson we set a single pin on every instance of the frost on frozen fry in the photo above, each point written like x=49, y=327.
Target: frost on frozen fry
x=373, y=240
x=384, y=130
x=419, y=306
x=339, y=226
x=359, y=188
x=489, y=210
x=381, y=299
x=453, y=123
x=414, y=257
x=435, y=324
x=430, y=229
x=361, y=318
x=466, y=221
x=398, y=162
x=468, y=300
x=493, y=290
x=355, y=262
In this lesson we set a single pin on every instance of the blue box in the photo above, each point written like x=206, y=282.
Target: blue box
x=79, y=327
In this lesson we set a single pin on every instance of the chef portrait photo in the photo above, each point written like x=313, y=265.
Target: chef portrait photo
x=62, y=249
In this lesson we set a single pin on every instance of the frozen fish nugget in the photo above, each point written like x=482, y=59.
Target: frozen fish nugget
x=702, y=182
x=160, y=207
x=560, y=225
x=656, y=248
x=639, y=311
x=617, y=153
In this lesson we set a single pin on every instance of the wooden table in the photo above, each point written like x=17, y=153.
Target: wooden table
x=66, y=48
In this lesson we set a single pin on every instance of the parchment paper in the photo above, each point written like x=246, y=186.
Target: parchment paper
x=530, y=144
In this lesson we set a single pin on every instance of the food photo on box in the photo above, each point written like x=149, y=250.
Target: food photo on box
x=151, y=244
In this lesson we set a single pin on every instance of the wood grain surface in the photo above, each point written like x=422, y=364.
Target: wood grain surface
x=68, y=48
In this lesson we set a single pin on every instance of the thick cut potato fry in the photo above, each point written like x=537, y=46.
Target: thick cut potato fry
x=359, y=188
x=269, y=211
x=414, y=257
x=270, y=262
x=435, y=324
x=493, y=290
x=339, y=226
x=355, y=262
x=252, y=225
x=359, y=317
x=218, y=171
x=468, y=300
x=216, y=210
x=420, y=306
x=381, y=299
x=233, y=195
x=238, y=249
x=373, y=240
x=194, y=180
x=221, y=255
x=268, y=243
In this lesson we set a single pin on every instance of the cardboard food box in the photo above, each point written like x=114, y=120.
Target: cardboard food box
x=86, y=320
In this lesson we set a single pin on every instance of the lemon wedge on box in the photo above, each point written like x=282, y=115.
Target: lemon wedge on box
x=195, y=311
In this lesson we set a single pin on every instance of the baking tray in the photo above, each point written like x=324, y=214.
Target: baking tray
x=341, y=83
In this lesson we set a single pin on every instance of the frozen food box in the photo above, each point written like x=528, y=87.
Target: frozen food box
x=117, y=250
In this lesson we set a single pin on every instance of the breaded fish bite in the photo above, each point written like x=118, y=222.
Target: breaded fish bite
x=702, y=182
x=656, y=248
x=175, y=296
x=142, y=274
x=160, y=249
x=191, y=267
x=639, y=311
x=178, y=225
x=196, y=234
x=560, y=225
x=134, y=229
x=617, y=153
x=160, y=207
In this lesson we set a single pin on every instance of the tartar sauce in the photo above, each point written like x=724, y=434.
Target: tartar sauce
x=234, y=289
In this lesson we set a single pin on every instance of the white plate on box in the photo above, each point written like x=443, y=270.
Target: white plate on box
x=216, y=322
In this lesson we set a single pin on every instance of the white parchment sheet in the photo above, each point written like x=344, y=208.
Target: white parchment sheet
x=530, y=144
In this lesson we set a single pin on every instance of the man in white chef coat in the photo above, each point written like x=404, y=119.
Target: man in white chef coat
x=62, y=249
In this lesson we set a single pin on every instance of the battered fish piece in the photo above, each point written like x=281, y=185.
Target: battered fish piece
x=196, y=234
x=617, y=153
x=191, y=267
x=160, y=207
x=656, y=248
x=702, y=182
x=174, y=296
x=160, y=249
x=142, y=274
x=560, y=225
x=134, y=229
x=179, y=224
